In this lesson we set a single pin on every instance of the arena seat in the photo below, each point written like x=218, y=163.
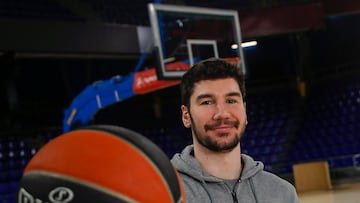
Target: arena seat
x=330, y=127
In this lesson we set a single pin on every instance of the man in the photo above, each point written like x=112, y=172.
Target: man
x=213, y=168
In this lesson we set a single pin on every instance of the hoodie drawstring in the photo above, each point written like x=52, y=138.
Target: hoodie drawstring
x=203, y=184
x=253, y=189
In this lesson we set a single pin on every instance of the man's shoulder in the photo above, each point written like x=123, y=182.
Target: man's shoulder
x=272, y=177
x=271, y=185
x=273, y=182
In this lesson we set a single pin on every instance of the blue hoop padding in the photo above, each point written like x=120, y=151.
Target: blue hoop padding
x=98, y=95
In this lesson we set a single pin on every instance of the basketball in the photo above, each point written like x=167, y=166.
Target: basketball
x=100, y=163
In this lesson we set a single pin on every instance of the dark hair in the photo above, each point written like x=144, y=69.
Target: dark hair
x=210, y=69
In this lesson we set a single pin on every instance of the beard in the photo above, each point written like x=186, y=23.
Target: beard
x=211, y=143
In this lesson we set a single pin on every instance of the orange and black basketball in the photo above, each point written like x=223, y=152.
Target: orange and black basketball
x=100, y=163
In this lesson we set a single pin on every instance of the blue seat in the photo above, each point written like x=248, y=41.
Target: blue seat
x=4, y=188
x=3, y=165
x=4, y=175
x=266, y=150
x=13, y=186
x=16, y=174
x=287, y=168
x=278, y=148
x=12, y=164
x=274, y=158
x=8, y=198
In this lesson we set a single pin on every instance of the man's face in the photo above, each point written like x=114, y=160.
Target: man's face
x=217, y=114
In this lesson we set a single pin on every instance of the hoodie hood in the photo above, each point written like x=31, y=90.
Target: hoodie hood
x=186, y=163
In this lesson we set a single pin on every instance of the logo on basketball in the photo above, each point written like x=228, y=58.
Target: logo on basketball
x=61, y=195
x=57, y=195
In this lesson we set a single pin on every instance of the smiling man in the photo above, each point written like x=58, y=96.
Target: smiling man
x=213, y=168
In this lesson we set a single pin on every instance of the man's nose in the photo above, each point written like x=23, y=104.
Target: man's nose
x=221, y=112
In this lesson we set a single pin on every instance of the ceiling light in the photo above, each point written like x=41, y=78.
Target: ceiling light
x=249, y=44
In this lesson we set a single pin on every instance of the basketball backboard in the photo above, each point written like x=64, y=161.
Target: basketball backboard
x=185, y=35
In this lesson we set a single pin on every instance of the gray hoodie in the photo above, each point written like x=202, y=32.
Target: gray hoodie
x=254, y=186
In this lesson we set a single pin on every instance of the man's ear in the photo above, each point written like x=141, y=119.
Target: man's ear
x=185, y=116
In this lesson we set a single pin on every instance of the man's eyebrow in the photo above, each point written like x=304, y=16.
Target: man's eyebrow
x=202, y=96
x=237, y=94
x=230, y=94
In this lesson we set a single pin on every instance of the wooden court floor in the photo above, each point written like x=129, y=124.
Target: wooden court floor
x=342, y=193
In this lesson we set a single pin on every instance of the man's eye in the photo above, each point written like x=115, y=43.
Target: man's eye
x=232, y=101
x=207, y=102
